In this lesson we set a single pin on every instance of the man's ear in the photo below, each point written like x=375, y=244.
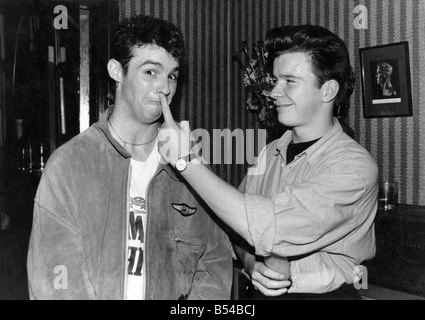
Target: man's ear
x=115, y=70
x=330, y=90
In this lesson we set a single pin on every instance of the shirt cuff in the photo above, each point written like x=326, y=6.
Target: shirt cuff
x=261, y=223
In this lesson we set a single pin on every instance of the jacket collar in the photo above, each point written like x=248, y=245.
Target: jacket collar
x=103, y=128
x=168, y=169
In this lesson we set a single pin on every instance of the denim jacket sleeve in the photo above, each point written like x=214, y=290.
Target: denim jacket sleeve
x=55, y=262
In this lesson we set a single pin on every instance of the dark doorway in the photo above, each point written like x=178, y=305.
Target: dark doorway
x=41, y=85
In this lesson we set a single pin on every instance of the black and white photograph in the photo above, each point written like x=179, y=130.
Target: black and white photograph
x=386, y=80
x=230, y=153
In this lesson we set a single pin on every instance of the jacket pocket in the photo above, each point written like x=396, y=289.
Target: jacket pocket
x=184, y=256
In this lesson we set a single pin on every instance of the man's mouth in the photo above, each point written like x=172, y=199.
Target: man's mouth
x=153, y=101
x=282, y=105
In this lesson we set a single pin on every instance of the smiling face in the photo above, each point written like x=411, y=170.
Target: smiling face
x=298, y=98
x=151, y=71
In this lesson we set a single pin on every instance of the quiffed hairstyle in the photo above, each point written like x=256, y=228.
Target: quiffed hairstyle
x=139, y=31
x=329, y=56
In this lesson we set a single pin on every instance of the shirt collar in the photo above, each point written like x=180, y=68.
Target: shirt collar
x=314, y=151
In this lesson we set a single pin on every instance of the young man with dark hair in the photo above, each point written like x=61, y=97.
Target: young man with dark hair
x=111, y=221
x=308, y=206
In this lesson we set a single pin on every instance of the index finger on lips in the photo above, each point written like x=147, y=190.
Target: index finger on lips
x=168, y=117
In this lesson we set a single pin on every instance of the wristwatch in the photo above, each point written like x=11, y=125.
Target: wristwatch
x=182, y=163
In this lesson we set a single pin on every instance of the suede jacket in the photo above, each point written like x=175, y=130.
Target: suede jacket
x=78, y=244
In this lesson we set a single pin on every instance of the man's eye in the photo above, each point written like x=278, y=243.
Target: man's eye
x=173, y=77
x=150, y=72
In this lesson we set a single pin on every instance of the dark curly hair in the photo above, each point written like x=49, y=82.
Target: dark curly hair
x=141, y=30
x=328, y=53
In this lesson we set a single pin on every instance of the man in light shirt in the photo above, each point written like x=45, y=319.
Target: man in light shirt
x=307, y=220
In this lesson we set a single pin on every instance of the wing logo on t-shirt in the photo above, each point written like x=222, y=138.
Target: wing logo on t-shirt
x=184, y=209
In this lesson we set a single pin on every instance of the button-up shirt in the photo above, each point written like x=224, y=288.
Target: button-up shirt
x=318, y=210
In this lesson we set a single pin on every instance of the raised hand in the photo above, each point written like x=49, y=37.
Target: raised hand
x=173, y=139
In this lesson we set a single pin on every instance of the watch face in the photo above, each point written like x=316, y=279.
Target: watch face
x=181, y=164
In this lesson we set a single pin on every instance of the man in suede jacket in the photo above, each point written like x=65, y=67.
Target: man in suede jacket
x=111, y=221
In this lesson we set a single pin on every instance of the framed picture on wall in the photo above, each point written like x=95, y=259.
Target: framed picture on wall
x=386, y=88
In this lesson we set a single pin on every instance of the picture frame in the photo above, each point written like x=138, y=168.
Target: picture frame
x=385, y=78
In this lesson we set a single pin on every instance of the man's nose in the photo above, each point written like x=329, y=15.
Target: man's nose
x=164, y=87
x=276, y=92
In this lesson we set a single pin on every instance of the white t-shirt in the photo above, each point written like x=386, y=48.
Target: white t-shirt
x=141, y=174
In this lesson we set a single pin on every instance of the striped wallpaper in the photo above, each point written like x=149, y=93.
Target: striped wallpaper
x=214, y=97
